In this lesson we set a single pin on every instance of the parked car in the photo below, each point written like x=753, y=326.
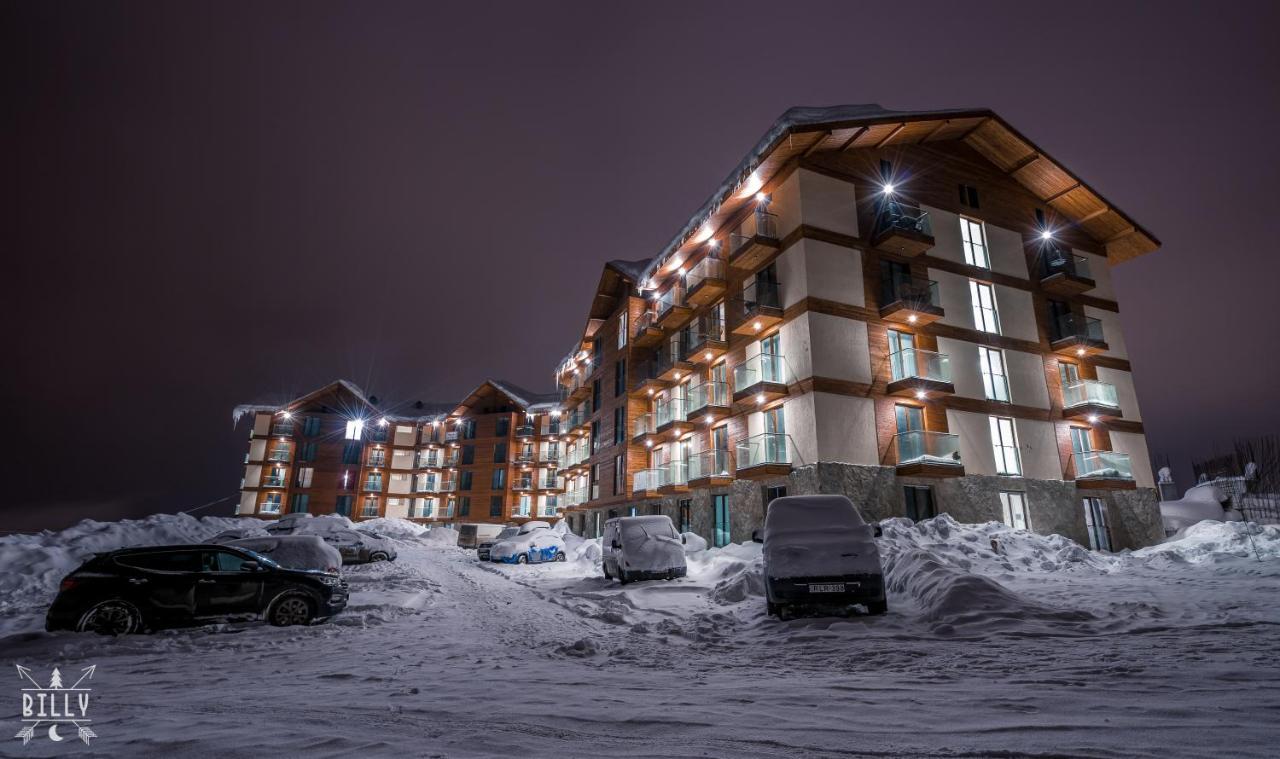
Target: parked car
x=472, y=535
x=360, y=546
x=484, y=551
x=820, y=557
x=136, y=589
x=642, y=548
x=533, y=543
x=293, y=551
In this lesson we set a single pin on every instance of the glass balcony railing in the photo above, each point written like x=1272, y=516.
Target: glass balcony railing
x=525, y=430
x=524, y=456
x=279, y=455
x=270, y=507
x=451, y=461
x=708, y=394
x=373, y=485
x=765, y=448
x=1059, y=261
x=282, y=429
x=918, y=293
x=897, y=216
x=448, y=486
x=761, y=293
x=428, y=486
x=1081, y=328
x=708, y=331
x=758, y=224
x=551, y=455
x=525, y=483
x=914, y=363
x=672, y=298
x=647, y=321
x=643, y=425
x=708, y=268
x=429, y=462
x=673, y=408
x=550, y=483
x=1090, y=392
x=273, y=482
x=575, y=497
x=377, y=462
x=762, y=367
x=1102, y=464
x=450, y=436
x=711, y=463
x=649, y=479
x=677, y=473
x=924, y=447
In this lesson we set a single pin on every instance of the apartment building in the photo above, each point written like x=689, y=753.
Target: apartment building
x=491, y=458
x=913, y=309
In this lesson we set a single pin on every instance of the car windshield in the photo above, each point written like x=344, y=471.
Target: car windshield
x=507, y=533
x=639, y=529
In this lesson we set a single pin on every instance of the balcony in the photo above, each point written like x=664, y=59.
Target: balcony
x=549, y=456
x=374, y=486
x=451, y=436
x=673, y=312
x=671, y=413
x=377, y=462
x=550, y=483
x=765, y=455
x=451, y=461
x=754, y=242
x=524, y=457
x=710, y=469
x=522, y=484
x=1077, y=336
x=643, y=426
x=647, y=380
x=283, y=430
x=1103, y=470
x=525, y=430
x=272, y=482
x=647, y=481
x=429, y=486
x=575, y=497
x=705, y=282
x=429, y=462
x=648, y=333
x=709, y=341
x=916, y=373
x=279, y=454
x=448, y=486
x=1090, y=399
x=711, y=400
x=760, y=379
x=902, y=228
x=761, y=307
x=922, y=453
x=910, y=301
x=676, y=479
x=575, y=387
x=1064, y=273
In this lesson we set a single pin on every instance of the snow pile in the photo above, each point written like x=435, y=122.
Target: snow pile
x=294, y=551
x=693, y=542
x=393, y=527
x=1217, y=542
x=445, y=535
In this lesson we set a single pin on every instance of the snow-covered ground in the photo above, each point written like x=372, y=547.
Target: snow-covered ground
x=1040, y=648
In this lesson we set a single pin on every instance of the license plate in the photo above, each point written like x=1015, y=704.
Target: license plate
x=827, y=587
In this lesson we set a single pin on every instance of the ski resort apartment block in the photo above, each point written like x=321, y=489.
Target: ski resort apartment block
x=913, y=309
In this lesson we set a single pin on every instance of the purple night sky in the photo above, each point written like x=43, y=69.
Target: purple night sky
x=205, y=204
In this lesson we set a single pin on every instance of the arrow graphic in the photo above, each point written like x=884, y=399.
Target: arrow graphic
x=24, y=672
x=88, y=673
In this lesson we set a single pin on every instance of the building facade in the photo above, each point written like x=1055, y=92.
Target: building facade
x=492, y=458
x=912, y=309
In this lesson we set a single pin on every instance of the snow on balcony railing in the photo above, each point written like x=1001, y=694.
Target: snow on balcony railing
x=1102, y=464
x=765, y=448
x=925, y=447
x=1090, y=392
x=920, y=364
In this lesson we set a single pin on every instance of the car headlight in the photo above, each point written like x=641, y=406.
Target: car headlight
x=332, y=580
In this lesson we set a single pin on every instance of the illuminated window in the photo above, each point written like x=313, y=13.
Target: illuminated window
x=1004, y=444
x=355, y=429
x=994, y=381
x=974, y=242
x=985, y=316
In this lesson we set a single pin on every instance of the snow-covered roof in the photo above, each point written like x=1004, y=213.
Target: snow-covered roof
x=414, y=411
x=527, y=399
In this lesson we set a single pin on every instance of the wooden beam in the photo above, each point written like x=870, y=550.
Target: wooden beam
x=1060, y=193
x=861, y=131
x=934, y=131
x=1118, y=236
x=975, y=128
x=1023, y=163
x=821, y=139
x=891, y=135
x=1094, y=214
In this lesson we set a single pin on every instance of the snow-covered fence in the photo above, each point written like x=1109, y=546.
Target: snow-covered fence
x=1260, y=508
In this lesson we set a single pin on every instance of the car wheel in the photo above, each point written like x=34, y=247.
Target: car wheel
x=291, y=610
x=379, y=556
x=877, y=607
x=522, y=559
x=560, y=556
x=114, y=617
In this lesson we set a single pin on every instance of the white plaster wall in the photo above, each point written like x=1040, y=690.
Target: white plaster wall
x=1110, y=331
x=966, y=372
x=800, y=419
x=1006, y=250
x=1017, y=313
x=1027, y=385
x=262, y=424
x=1136, y=446
x=834, y=273
x=252, y=475
x=1125, y=391
x=401, y=459
x=1038, y=449
x=946, y=235
x=793, y=285
x=257, y=450
x=846, y=429
x=975, y=441
x=755, y=422
x=785, y=204
x=796, y=351
x=953, y=295
x=247, y=502
x=1101, y=275
x=828, y=203
x=397, y=508
x=840, y=348
x=404, y=435
x=399, y=483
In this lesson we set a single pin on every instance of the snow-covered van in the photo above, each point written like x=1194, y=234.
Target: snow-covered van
x=642, y=548
x=472, y=535
x=535, y=542
x=820, y=556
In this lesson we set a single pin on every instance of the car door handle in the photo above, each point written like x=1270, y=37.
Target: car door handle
x=205, y=582
x=137, y=580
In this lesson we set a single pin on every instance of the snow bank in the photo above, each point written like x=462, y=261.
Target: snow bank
x=393, y=527
x=1218, y=542
x=445, y=535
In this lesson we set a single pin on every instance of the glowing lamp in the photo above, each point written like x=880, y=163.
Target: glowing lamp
x=1079, y=351
x=920, y=395
x=1093, y=419
x=761, y=197
x=709, y=354
x=757, y=326
x=1046, y=234
x=888, y=188
x=760, y=399
x=286, y=414
x=912, y=318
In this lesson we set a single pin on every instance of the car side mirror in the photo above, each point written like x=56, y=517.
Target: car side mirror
x=250, y=566
x=757, y=536
x=877, y=530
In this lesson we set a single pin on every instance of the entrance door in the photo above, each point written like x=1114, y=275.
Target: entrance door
x=721, y=504
x=1096, y=523
x=900, y=362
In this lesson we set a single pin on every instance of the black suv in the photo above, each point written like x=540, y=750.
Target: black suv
x=136, y=589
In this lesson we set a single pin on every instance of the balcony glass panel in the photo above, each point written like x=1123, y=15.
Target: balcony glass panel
x=1059, y=261
x=763, y=367
x=642, y=425
x=674, y=296
x=921, y=446
x=708, y=394
x=920, y=364
x=713, y=463
x=1084, y=328
x=916, y=292
x=708, y=268
x=761, y=293
x=673, y=408
x=677, y=473
x=649, y=479
x=1090, y=392
x=765, y=448
x=898, y=216
x=1103, y=464
x=448, y=486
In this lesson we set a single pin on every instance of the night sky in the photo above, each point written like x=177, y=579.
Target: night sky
x=208, y=204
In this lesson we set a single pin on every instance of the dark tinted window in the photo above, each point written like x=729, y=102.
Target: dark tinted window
x=223, y=561
x=171, y=561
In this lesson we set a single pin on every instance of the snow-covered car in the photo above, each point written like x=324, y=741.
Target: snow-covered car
x=820, y=557
x=642, y=548
x=288, y=523
x=293, y=551
x=534, y=542
x=360, y=546
x=484, y=551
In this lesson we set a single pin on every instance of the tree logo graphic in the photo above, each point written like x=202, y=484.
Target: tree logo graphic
x=56, y=706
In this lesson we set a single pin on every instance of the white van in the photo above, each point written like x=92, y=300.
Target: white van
x=642, y=548
x=472, y=535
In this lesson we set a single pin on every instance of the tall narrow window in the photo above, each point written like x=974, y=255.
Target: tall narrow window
x=498, y=480
x=619, y=475
x=619, y=377
x=902, y=358
x=1097, y=524
x=355, y=429
x=464, y=506
x=622, y=329
x=721, y=503
x=686, y=517
x=620, y=425
x=1014, y=505
x=974, y=242
x=985, y=316
x=1004, y=443
x=995, y=383
x=500, y=453
x=495, y=506
x=502, y=427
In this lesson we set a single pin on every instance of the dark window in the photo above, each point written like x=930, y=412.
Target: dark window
x=503, y=427
x=468, y=428
x=343, y=506
x=772, y=492
x=686, y=508
x=224, y=561
x=595, y=482
x=919, y=501
x=554, y=429
x=595, y=394
x=500, y=453
x=655, y=510
x=464, y=480
x=886, y=171
x=169, y=561
x=619, y=377
x=464, y=505
x=498, y=480
x=620, y=425
x=307, y=452
x=595, y=436
x=311, y=426
x=495, y=505
x=597, y=350
x=468, y=454
x=351, y=453
x=619, y=475
x=721, y=537
x=968, y=196
x=298, y=503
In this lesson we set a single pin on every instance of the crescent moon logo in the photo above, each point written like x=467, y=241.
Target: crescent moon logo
x=53, y=734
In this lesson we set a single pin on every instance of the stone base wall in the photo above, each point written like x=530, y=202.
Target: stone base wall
x=1054, y=506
